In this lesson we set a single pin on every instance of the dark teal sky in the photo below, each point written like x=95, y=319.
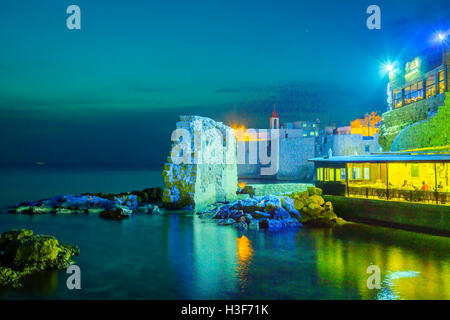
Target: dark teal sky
x=112, y=91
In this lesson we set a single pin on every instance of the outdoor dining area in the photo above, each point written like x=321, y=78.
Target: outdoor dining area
x=422, y=178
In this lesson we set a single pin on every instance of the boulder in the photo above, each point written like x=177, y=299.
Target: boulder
x=22, y=253
x=116, y=213
x=314, y=191
x=316, y=199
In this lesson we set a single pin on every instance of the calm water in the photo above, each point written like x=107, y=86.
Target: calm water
x=178, y=255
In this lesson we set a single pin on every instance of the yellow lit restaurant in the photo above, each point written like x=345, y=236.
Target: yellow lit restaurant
x=406, y=177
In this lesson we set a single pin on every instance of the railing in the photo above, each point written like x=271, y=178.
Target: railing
x=400, y=195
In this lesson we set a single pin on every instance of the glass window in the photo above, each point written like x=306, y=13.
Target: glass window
x=407, y=95
x=342, y=174
x=319, y=174
x=397, y=98
x=420, y=90
x=331, y=174
x=441, y=82
x=431, y=88
x=366, y=173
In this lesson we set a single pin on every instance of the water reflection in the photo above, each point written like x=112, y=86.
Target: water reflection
x=244, y=255
x=413, y=266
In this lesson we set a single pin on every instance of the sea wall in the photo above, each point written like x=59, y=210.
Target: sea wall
x=404, y=215
x=201, y=168
x=394, y=121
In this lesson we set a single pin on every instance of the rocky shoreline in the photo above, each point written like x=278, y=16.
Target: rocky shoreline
x=272, y=212
x=275, y=212
x=23, y=253
x=108, y=206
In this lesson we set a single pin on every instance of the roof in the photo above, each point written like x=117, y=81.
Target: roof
x=387, y=157
x=274, y=114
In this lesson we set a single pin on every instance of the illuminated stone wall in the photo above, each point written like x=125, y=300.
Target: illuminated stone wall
x=430, y=133
x=393, y=122
x=211, y=175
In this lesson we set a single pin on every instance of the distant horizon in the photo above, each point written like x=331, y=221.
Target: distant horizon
x=113, y=91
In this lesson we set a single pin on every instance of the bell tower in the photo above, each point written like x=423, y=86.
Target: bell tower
x=274, y=120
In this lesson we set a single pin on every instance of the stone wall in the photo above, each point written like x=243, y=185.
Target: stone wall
x=208, y=171
x=294, y=155
x=430, y=133
x=393, y=122
x=293, y=161
x=349, y=144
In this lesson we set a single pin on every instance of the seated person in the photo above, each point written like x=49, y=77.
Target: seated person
x=440, y=186
x=405, y=184
x=425, y=187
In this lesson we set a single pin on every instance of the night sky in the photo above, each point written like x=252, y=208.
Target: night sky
x=111, y=92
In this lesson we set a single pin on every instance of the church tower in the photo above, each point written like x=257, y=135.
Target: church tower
x=274, y=120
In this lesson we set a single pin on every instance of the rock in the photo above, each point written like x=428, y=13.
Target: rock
x=316, y=199
x=149, y=194
x=281, y=214
x=313, y=209
x=225, y=222
x=117, y=213
x=299, y=204
x=156, y=210
x=260, y=214
x=254, y=225
x=247, y=190
x=95, y=210
x=148, y=208
x=236, y=214
x=314, y=191
x=328, y=206
x=295, y=214
x=241, y=226
x=22, y=253
x=66, y=211
x=287, y=203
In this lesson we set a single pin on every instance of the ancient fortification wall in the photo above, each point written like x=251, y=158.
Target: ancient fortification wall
x=294, y=155
x=349, y=144
x=393, y=122
x=293, y=161
x=201, y=168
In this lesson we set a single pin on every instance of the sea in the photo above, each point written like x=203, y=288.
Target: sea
x=179, y=255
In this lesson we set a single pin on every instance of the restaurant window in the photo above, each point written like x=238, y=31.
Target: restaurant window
x=366, y=173
x=357, y=173
x=431, y=86
x=420, y=90
x=397, y=98
x=331, y=174
x=342, y=174
x=417, y=91
x=441, y=82
x=338, y=174
x=407, y=95
x=319, y=174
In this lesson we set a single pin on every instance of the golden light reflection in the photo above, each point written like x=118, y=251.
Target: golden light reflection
x=404, y=273
x=244, y=250
x=244, y=255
